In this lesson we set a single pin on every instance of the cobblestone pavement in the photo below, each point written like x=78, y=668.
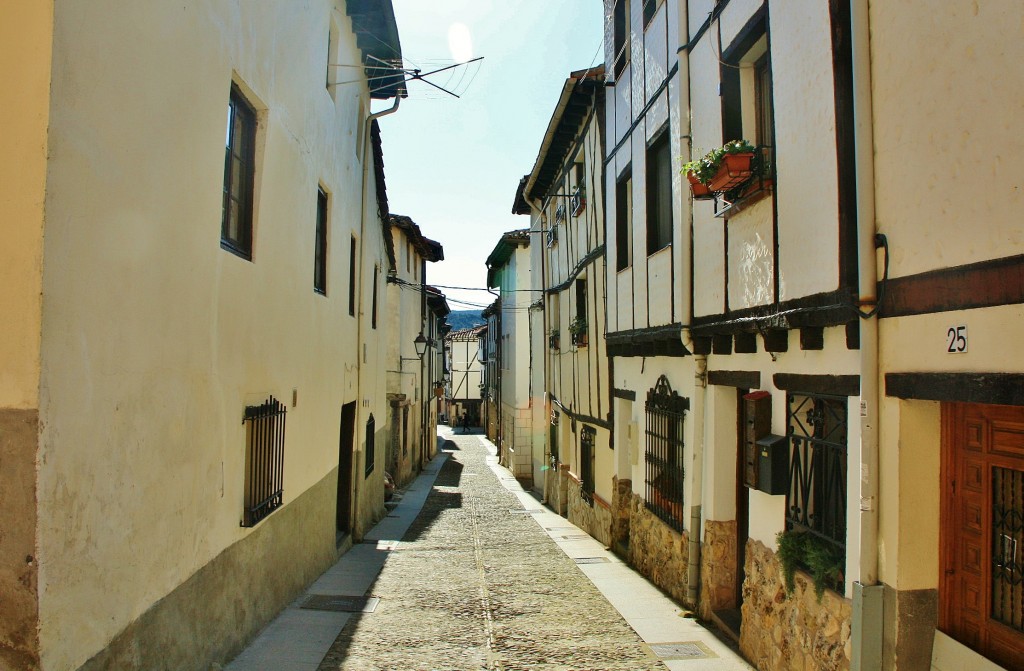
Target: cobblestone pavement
x=474, y=586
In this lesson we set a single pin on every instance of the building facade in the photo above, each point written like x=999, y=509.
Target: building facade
x=508, y=271
x=465, y=376
x=564, y=196
x=415, y=336
x=184, y=341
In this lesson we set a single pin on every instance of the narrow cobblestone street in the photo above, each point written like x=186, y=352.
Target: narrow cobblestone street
x=474, y=585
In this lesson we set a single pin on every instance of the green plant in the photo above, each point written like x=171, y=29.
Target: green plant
x=705, y=167
x=823, y=560
x=578, y=325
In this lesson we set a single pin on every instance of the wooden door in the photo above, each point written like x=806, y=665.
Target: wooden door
x=982, y=531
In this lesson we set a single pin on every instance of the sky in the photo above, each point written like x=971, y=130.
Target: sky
x=453, y=164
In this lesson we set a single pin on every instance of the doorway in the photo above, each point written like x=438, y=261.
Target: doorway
x=346, y=440
x=981, y=590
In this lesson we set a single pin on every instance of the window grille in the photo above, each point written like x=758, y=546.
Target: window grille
x=664, y=454
x=264, y=460
x=371, y=453
x=1008, y=547
x=588, y=437
x=816, y=502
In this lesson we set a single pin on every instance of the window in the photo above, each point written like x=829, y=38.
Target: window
x=620, y=37
x=371, y=452
x=352, y=277
x=624, y=222
x=665, y=410
x=320, y=246
x=264, y=460
x=580, y=327
x=650, y=8
x=747, y=89
x=373, y=314
x=239, y=176
x=816, y=502
x=587, y=438
x=659, y=194
x=764, y=131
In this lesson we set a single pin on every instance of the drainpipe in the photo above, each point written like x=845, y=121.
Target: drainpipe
x=700, y=363
x=866, y=648
x=356, y=532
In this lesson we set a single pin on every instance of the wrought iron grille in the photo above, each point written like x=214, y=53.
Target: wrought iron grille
x=1008, y=547
x=816, y=501
x=264, y=460
x=664, y=453
x=588, y=437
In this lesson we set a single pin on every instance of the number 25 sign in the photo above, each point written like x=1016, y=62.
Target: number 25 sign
x=956, y=339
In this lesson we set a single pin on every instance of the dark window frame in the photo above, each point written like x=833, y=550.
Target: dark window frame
x=239, y=176
x=373, y=313
x=371, y=449
x=320, y=244
x=623, y=219
x=620, y=36
x=352, y=277
x=659, y=192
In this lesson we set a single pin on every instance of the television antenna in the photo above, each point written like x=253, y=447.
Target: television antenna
x=395, y=71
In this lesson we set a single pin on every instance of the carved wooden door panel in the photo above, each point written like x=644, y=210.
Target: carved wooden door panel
x=982, y=531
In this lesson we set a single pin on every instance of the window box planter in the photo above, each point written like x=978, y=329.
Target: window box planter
x=579, y=339
x=697, y=190
x=733, y=171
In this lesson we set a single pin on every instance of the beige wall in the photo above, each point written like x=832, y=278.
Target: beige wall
x=154, y=338
x=25, y=57
x=947, y=188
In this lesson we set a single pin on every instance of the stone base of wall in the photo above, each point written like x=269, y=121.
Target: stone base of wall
x=622, y=492
x=216, y=612
x=718, y=567
x=791, y=632
x=657, y=551
x=594, y=517
x=19, y=570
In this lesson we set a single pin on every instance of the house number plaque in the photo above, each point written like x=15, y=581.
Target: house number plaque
x=956, y=339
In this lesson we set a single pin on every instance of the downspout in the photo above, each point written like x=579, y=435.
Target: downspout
x=866, y=624
x=537, y=205
x=700, y=387
x=359, y=312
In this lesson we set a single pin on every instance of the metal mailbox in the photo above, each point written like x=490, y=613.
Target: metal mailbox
x=773, y=464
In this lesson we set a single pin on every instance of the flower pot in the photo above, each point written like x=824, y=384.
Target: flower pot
x=698, y=190
x=734, y=170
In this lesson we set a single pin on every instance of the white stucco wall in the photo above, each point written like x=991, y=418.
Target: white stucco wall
x=154, y=338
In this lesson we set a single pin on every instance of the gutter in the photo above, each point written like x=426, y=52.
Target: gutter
x=359, y=313
x=866, y=625
x=700, y=378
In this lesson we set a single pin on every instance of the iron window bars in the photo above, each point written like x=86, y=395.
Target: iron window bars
x=1008, y=547
x=665, y=411
x=264, y=460
x=588, y=437
x=816, y=502
x=371, y=453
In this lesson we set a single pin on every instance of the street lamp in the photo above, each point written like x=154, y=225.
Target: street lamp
x=421, y=345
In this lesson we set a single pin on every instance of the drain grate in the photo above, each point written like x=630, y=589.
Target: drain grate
x=341, y=603
x=684, y=650
x=591, y=560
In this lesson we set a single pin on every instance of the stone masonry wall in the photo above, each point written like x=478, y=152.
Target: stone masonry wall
x=656, y=551
x=594, y=518
x=718, y=567
x=791, y=632
x=622, y=492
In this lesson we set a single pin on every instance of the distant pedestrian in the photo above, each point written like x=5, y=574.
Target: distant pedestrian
x=465, y=422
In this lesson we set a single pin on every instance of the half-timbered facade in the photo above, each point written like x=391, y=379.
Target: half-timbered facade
x=564, y=196
x=465, y=376
x=508, y=271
